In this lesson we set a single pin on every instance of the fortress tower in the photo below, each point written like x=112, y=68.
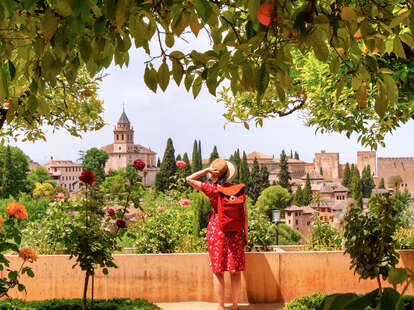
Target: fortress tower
x=365, y=158
x=123, y=135
x=329, y=162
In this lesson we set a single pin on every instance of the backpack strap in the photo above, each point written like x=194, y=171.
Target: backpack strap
x=230, y=190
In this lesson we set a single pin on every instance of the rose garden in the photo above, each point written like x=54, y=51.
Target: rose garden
x=346, y=66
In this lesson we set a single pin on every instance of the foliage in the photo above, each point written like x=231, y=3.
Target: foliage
x=273, y=198
x=38, y=175
x=404, y=238
x=298, y=198
x=356, y=189
x=167, y=169
x=14, y=166
x=11, y=227
x=318, y=200
x=244, y=172
x=324, y=237
x=214, y=155
x=367, y=182
x=394, y=182
x=307, y=192
x=255, y=184
x=73, y=304
x=201, y=209
x=312, y=302
x=262, y=230
x=94, y=160
x=381, y=184
x=114, y=184
x=45, y=191
x=235, y=158
x=369, y=237
x=284, y=176
x=187, y=168
x=296, y=155
x=347, y=179
x=196, y=164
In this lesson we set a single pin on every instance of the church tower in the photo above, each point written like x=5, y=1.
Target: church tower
x=123, y=135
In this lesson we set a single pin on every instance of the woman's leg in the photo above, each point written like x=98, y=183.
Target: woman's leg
x=235, y=288
x=219, y=287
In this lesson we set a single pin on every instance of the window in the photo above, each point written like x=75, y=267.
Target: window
x=122, y=137
x=297, y=222
x=308, y=223
x=117, y=137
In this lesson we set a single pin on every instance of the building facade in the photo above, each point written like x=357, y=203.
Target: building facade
x=65, y=173
x=123, y=151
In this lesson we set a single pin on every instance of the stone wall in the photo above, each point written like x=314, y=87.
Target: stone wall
x=329, y=163
x=402, y=166
x=365, y=159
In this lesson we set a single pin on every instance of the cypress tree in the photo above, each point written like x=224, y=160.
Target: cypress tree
x=381, y=184
x=356, y=188
x=194, y=158
x=187, y=168
x=9, y=187
x=284, y=176
x=200, y=157
x=354, y=172
x=158, y=162
x=347, y=179
x=307, y=192
x=167, y=169
x=178, y=157
x=320, y=170
x=298, y=199
x=237, y=161
x=244, y=170
x=274, y=183
x=296, y=155
x=214, y=155
x=367, y=182
x=254, y=185
x=264, y=173
x=291, y=154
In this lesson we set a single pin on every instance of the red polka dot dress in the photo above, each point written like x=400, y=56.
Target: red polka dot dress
x=226, y=250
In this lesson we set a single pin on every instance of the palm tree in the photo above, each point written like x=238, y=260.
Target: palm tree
x=318, y=201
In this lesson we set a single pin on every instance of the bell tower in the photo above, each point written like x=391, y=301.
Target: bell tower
x=123, y=134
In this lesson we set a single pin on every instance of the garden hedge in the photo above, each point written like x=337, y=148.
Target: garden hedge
x=75, y=304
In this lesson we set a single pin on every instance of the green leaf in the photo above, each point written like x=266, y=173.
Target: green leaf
x=188, y=81
x=197, y=86
x=391, y=88
x=203, y=9
x=177, y=54
x=262, y=80
x=348, y=14
x=169, y=40
x=390, y=299
x=20, y=287
x=253, y=6
x=150, y=79
x=338, y=301
x=364, y=301
x=27, y=4
x=362, y=96
x=49, y=25
x=397, y=276
x=30, y=273
x=407, y=39
x=334, y=65
x=380, y=99
x=398, y=48
x=122, y=12
x=105, y=271
x=163, y=76
x=319, y=46
x=177, y=71
x=4, y=92
x=63, y=8
x=339, y=88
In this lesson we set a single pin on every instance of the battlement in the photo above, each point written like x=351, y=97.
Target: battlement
x=399, y=159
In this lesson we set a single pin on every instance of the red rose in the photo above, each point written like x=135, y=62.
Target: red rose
x=184, y=202
x=120, y=223
x=138, y=164
x=264, y=14
x=87, y=177
x=180, y=163
x=111, y=212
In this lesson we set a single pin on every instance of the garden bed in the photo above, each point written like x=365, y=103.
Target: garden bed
x=74, y=304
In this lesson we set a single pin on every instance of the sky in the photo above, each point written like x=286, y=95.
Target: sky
x=175, y=114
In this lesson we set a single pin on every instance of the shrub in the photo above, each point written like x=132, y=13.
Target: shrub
x=312, y=302
x=324, y=237
x=74, y=304
x=273, y=197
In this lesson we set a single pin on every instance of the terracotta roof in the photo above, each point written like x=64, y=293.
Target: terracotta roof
x=137, y=149
x=61, y=163
x=332, y=188
x=305, y=210
x=258, y=156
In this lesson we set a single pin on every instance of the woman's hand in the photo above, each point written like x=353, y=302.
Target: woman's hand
x=214, y=172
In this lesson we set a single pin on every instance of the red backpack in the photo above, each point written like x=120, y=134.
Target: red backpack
x=231, y=200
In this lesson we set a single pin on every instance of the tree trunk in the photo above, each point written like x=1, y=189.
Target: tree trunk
x=379, y=285
x=85, y=290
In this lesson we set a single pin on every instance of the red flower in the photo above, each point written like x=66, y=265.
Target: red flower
x=120, y=223
x=264, y=14
x=110, y=212
x=180, y=164
x=184, y=202
x=87, y=177
x=138, y=164
x=60, y=196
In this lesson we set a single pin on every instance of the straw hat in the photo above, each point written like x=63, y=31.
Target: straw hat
x=224, y=167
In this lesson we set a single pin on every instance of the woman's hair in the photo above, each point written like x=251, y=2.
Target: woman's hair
x=221, y=179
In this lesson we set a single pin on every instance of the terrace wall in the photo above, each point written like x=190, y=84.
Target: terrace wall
x=269, y=277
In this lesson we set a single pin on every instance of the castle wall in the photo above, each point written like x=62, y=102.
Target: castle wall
x=366, y=158
x=402, y=166
x=329, y=163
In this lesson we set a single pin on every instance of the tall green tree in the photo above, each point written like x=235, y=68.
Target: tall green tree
x=355, y=171
x=307, y=192
x=187, y=168
x=264, y=174
x=95, y=160
x=15, y=168
x=291, y=154
x=284, y=176
x=381, y=184
x=158, y=162
x=367, y=182
x=244, y=170
x=167, y=169
x=178, y=157
x=347, y=179
x=298, y=199
x=196, y=164
x=237, y=161
x=296, y=155
x=214, y=155
x=356, y=189
x=38, y=175
x=254, y=184
x=320, y=170
x=200, y=156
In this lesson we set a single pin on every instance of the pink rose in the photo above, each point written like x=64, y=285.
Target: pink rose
x=184, y=202
x=180, y=164
x=60, y=196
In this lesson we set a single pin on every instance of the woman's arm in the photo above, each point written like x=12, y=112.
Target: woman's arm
x=193, y=179
x=246, y=225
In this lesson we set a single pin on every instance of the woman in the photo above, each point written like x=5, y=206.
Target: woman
x=225, y=249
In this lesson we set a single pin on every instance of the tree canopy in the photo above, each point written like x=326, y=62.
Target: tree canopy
x=361, y=48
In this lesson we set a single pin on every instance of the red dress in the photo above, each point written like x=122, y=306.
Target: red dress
x=226, y=250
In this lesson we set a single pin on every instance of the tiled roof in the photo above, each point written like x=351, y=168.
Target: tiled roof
x=137, y=149
x=61, y=163
x=305, y=210
x=313, y=175
x=258, y=156
x=332, y=188
x=123, y=119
